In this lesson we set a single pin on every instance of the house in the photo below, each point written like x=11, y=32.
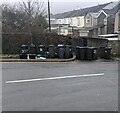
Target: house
x=94, y=24
x=83, y=12
x=111, y=11
x=100, y=24
x=105, y=20
x=76, y=18
x=91, y=21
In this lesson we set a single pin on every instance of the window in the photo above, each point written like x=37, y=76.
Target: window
x=105, y=21
x=87, y=20
x=78, y=22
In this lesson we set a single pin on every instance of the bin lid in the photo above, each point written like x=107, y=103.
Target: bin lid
x=84, y=47
x=68, y=45
x=51, y=45
x=24, y=45
x=93, y=47
x=41, y=46
x=108, y=48
x=60, y=45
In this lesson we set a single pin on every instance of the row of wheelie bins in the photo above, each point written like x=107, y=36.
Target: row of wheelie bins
x=64, y=51
x=33, y=51
x=92, y=53
x=86, y=53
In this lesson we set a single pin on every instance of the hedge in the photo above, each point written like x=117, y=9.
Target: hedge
x=11, y=42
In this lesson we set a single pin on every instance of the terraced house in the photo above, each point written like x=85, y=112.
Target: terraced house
x=91, y=21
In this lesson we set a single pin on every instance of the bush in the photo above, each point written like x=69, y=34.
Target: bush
x=11, y=42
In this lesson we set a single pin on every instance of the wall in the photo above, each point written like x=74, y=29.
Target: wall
x=74, y=21
x=59, y=21
x=83, y=33
x=77, y=42
x=81, y=21
x=64, y=31
x=110, y=24
x=94, y=21
x=88, y=20
x=115, y=45
x=91, y=42
x=101, y=18
x=66, y=21
x=52, y=20
x=96, y=42
x=91, y=33
x=116, y=22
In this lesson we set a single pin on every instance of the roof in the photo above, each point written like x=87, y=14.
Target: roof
x=109, y=35
x=111, y=5
x=111, y=8
x=93, y=9
x=94, y=14
x=111, y=11
x=80, y=12
x=63, y=15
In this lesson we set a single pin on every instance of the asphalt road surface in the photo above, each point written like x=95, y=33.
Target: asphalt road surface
x=47, y=87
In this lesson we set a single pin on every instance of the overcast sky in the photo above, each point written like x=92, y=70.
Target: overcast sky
x=59, y=6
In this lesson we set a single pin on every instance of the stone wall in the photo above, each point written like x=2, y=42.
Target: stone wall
x=90, y=42
x=115, y=45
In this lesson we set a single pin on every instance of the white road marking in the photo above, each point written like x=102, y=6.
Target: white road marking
x=53, y=78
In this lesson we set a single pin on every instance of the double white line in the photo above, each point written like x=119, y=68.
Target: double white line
x=53, y=78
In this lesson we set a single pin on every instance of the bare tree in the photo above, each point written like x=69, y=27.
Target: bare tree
x=33, y=9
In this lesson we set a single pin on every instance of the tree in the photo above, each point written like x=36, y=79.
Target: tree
x=29, y=17
x=35, y=11
x=13, y=20
x=33, y=7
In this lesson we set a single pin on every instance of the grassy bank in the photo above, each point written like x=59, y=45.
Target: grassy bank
x=9, y=56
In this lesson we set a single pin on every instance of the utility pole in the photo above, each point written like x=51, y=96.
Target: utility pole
x=119, y=32
x=119, y=22
x=49, y=16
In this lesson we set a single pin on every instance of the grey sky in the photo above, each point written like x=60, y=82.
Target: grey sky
x=59, y=6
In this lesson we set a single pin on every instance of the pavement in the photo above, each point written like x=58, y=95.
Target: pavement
x=53, y=60
x=36, y=60
x=60, y=86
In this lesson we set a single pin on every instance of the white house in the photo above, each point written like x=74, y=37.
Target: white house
x=94, y=18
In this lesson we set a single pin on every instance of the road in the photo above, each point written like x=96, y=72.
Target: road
x=84, y=93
